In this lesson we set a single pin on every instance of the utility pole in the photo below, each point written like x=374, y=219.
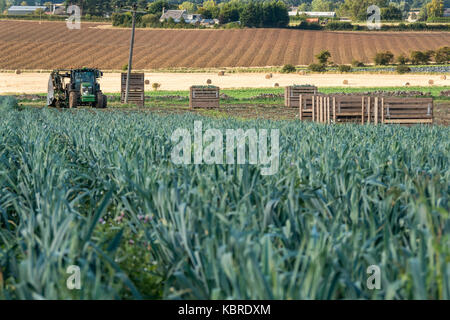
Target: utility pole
x=130, y=58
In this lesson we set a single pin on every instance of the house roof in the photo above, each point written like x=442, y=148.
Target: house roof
x=174, y=14
x=26, y=8
x=59, y=10
x=314, y=13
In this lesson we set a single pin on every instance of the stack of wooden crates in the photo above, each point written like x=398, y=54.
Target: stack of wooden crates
x=136, y=93
x=204, y=97
x=368, y=109
x=300, y=95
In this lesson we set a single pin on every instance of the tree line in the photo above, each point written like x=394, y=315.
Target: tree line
x=255, y=13
x=272, y=13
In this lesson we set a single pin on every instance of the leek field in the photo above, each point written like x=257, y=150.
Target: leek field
x=98, y=190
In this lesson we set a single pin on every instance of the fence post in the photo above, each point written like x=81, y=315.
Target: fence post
x=286, y=97
x=362, y=110
x=334, y=109
x=320, y=108
x=300, y=107
x=328, y=110
x=376, y=110
x=432, y=117
x=313, y=98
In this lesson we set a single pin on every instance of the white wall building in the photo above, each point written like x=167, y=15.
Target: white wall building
x=315, y=14
x=22, y=10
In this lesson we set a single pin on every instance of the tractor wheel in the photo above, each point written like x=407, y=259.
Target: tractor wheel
x=72, y=99
x=101, y=100
x=105, y=101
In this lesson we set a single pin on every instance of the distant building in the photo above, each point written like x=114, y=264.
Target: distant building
x=22, y=10
x=209, y=22
x=176, y=15
x=59, y=9
x=312, y=20
x=447, y=12
x=315, y=14
x=413, y=15
x=193, y=18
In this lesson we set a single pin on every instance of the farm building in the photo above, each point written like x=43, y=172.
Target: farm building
x=192, y=18
x=59, y=9
x=312, y=20
x=176, y=15
x=315, y=14
x=21, y=10
x=208, y=22
x=413, y=15
x=447, y=12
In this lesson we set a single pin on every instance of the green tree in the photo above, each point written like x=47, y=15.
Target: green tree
x=251, y=15
x=391, y=12
x=421, y=57
x=357, y=9
x=304, y=7
x=275, y=14
x=323, y=56
x=149, y=20
x=402, y=59
x=384, y=58
x=229, y=12
x=142, y=4
x=2, y=5
x=442, y=55
x=209, y=10
x=288, y=68
x=322, y=5
x=94, y=7
x=435, y=9
x=157, y=6
x=209, y=4
x=188, y=6
x=211, y=7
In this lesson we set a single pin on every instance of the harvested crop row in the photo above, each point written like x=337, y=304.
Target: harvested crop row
x=51, y=44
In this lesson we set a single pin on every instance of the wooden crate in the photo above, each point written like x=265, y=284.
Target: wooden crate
x=292, y=94
x=407, y=110
x=372, y=110
x=204, y=97
x=321, y=108
x=136, y=93
x=347, y=108
x=305, y=106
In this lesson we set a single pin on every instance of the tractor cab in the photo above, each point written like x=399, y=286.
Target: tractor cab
x=84, y=81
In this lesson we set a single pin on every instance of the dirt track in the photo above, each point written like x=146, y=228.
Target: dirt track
x=37, y=82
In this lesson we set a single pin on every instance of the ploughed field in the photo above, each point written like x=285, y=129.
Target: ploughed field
x=49, y=45
x=99, y=190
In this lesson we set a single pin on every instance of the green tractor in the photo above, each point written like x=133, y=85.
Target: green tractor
x=81, y=89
